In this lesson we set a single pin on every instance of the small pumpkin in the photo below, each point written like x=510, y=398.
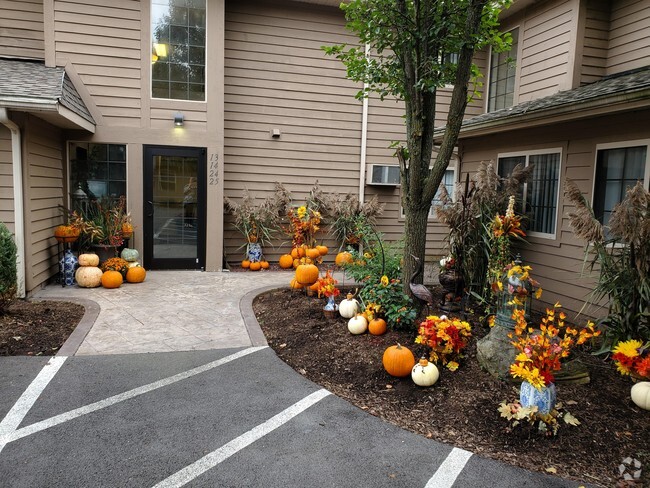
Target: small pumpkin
x=313, y=253
x=294, y=285
x=129, y=254
x=307, y=274
x=245, y=264
x=349, y=307
x=398, y=361
x=425, y=373
x=296, y=263
x=297, y=253
x=343, y=258
x=134, y=264
x=322, y=250
x=255, y=266
x=88, y=276
x=377, y=326
x=265, y=264
x=286, y=261
x=357, y=324
x=88, y=259
x=136, y=274
x=640, y=394
x=112, y=279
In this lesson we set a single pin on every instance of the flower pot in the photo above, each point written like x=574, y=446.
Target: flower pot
x=452, y=281
x=68, y=264
x=543, y=399
x=330, y=314
x=104, y=251
x=254, y=252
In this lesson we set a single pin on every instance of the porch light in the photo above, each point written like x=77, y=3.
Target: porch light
x=179, y=120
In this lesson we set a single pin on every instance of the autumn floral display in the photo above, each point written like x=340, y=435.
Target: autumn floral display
x=632, y=357
x=447, y=337
x=326, y=286
x=304, y=222
x=541, y=350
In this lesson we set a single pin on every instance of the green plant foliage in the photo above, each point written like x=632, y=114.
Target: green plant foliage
x=622, y=260
x=8, y=273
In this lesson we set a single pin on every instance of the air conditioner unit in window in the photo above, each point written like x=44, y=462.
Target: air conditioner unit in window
x=383, y=174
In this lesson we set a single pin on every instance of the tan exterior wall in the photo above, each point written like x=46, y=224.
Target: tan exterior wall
x=629, y=37
x=546, y=48
x=21, y=29
x=6, y=179
x=278, y=77
x=44, y=182
x=557, y=263
x=596, y=36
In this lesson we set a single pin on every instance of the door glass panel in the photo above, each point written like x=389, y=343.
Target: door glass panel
x=175, y=223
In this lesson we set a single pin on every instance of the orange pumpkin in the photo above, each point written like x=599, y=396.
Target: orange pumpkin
x=377, y=326
x=313, y=253
x=322, y=250
x=398, y=361
x=136, y=274
x=343, y=258
x=307, y=274
x=245, y=264
x=294, y=285
x=265, y=264
x=296, y=263
x=286, y=261
x=256, y=266
x=297, y=253
x=112, y=279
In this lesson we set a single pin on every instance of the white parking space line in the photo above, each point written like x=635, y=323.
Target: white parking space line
x=127, y=395
x=217, y=456
x=450, y=468
x=17, y=413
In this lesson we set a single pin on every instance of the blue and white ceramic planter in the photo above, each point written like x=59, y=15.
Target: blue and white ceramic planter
x=68, y=264
x=254, y=252
x=544, y=400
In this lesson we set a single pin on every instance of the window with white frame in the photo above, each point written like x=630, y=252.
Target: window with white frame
x=540, y=194
x=501, y=89
x=178, y=40
x=618, y=168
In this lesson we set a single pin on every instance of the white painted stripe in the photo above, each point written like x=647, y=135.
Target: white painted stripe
x=127, y=395
x=450, y=468
x=26, y=401
x=217, y=456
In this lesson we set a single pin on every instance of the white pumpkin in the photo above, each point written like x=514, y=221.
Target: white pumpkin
x=357, y=324
x=88, y=259
x=134, y=264
x=88, y=276
x=640, y=394
x=425, y=373
x=349, y=307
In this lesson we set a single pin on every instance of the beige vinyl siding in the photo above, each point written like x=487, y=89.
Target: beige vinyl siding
x=103, y=42
x=44, y=192
x=558, y=263
x=594, y=55
x=545, y=54
x=277, y=77
x=629, y=37
x=6, y=179
x=21, y=29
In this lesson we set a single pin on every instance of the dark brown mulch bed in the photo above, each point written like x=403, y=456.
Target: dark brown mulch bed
x=37, y=328
x=461, y=409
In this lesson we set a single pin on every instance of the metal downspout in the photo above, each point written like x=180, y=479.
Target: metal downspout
x=19, y=212
x=364, y=142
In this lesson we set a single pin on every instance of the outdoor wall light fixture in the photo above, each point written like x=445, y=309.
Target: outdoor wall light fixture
x=179, y=120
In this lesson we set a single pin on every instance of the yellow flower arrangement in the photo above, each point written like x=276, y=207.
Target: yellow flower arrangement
x=446, y=337
x=632, y=357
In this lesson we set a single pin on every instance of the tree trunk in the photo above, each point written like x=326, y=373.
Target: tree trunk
x=415, y=227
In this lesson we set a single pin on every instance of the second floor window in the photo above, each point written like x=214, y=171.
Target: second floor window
x=540, y=194
x=501, y=92
x=178, y=35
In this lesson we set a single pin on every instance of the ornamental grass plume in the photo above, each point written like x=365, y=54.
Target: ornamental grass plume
x=541, y=351
x=582, y=220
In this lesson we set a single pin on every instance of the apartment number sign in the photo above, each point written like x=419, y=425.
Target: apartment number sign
x=213, y=170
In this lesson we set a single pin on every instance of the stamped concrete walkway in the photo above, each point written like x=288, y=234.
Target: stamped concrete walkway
x=170, y=311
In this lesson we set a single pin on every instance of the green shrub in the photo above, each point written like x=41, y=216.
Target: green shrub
x=8, y=277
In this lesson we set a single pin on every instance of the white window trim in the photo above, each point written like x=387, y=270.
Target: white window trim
x=527, y=154
x=149, y=64
x=622, y=145
x=515, y=94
